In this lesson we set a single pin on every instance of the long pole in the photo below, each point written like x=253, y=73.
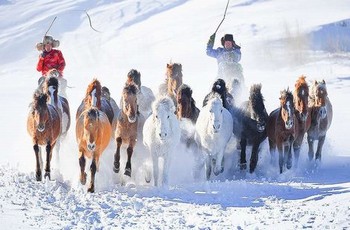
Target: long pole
x=228, y=1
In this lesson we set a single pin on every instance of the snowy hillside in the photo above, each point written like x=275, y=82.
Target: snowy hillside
x=280, y=41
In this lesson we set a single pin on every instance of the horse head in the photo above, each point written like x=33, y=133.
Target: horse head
x=91, y=128
x=258, y=111
x=163, y=115
x=129, y=102
x=51, y=88
x=287, y=108
x=40, y=111
x=134, y=76
x=215, y=109
x=184, y=101
x=319, y=97
x=174, y=77
x=301, y=95
x=93, y=94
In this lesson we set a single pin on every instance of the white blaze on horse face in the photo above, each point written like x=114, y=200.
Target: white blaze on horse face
x=52, y=89
x=289, y=123
x=93, y=98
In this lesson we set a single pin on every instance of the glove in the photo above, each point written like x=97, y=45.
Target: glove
x=211, y=40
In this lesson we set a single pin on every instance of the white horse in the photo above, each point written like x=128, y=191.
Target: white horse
x=213, y=131
x=161, y=134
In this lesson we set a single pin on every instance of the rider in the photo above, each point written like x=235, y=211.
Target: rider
x=50, y=59
x=227, y=57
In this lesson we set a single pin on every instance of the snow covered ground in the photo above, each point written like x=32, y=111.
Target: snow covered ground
x=280, y=40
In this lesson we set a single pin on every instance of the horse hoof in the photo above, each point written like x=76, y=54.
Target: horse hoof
x=127, y=172
x=91, y=190
x=38, y=176
x=116, y=170
x=243, y=166
x=83, y=179
x=47, y=174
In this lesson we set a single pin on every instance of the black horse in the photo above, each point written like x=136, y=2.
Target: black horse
x=249, y=126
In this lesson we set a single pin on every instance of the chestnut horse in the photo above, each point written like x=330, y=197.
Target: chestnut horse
x=321, y=117
x=93, y=97
x=282, y=128
x=186, y=105
x=93, y=134
x=173, y=80
x=43, y=125
x=249, y=126
x=302, y=113
x=127, y=124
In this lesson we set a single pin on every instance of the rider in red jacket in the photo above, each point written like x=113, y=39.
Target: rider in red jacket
x=50, y=58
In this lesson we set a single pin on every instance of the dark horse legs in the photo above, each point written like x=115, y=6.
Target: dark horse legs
x=49, y=148
x=254, y=157
x=128, y=163
x=82, y=163
x=243, y=161
x=38, y=175
x=116, y=167
x=319, y=147
x=93, y=172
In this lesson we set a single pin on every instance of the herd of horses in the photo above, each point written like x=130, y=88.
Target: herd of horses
x=156, y=121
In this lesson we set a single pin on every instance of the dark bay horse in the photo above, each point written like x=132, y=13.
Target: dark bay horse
x=127, y=123
x=321, y=117
x=186, y=105
x=302, y=113
x=282, y=128
x=93, y=97
x=249, y=126
x=43, y=125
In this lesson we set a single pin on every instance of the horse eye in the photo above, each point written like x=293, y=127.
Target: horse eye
x=156, y=116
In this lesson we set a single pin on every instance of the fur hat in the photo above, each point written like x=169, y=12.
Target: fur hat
x=47, y=40
x=227, y=37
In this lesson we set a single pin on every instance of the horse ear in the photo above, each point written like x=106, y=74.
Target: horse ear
x=167, y=65
x=315, y=82
x=323, y=81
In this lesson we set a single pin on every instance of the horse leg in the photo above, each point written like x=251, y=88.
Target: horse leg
x=155, y=169
x=82, y=163
x=166, y=169
x=310, y=141
x=219, y=168
x=243, y=160
x=208, y=167
x=116, y=167
x=281, y=157
x=254, y=157
x=319, y=147
x=38, y=175
x=289, y=155
x=93, y=172
x=129, y=150
x=296, y=148
x=48, y=160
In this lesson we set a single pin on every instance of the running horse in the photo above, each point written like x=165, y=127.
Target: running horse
x=249, y=126
x=127, y=124
x=93, y=133
x=302, y=113
x=321, y=117
x=43, y=125
x=282, y=128
x=173, y=80
x=186, y=105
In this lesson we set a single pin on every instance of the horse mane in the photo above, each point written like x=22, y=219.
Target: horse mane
x=286, y=94
x=316, y=85
x=39, y=99
x=130, y=89
x=214, y=96
x=134, y=76
x=95, y=84
x=175, y=68
x=301, y=82
x=93, y=113
x=51, y=81
x=164, y=101
x=105, y=92
x=256, y=98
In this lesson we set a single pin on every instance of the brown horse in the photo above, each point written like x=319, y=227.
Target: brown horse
x=302, y=113
x=127, y=124
x=282, y=128
x=93, y=97
x=43, y=125
x=321, y=117
x=93, y=133
x=186, y=105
